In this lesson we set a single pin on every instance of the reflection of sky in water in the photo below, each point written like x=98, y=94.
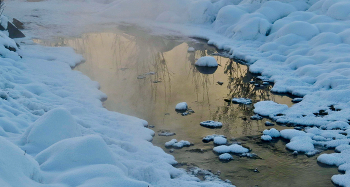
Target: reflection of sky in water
x=116, y=60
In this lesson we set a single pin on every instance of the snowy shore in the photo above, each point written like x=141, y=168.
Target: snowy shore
x=300, y=45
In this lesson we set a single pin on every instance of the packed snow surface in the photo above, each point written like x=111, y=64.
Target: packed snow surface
x=207, y=61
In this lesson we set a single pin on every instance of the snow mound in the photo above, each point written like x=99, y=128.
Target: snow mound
x=210, y=138
x=190, y=49
x=220, y=140
x=234, y=148
x=272, y=132
x=174, y=143
x=266, y=137
x=301, y=144
x=52, y=127
x=269, y=108
x=211, y=124
x=225, y=156
x=75, y=152
x=207, y=61
x=17, y=168
x=181, y=106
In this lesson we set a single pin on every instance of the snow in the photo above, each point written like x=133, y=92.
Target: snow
x=266, y=137
x=272, y=132
x=207, y=61
x=234, y=148
x=242, y=101
x=210, y=138
x=220, y=140
x=174, y=143
x=181, y=106
x=311, y=63
x=211, y=124
x=225, y=156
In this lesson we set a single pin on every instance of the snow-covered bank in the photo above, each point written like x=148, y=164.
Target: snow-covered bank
x=55, y=132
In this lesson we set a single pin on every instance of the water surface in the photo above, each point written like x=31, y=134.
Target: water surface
x=146, y=76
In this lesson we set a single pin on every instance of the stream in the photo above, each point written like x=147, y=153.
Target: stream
x=145, y=76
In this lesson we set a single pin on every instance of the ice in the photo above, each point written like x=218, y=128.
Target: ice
x=211, y=124
x=220, y=140
x=242, y=101
x=234, y=148
x=181, y=106
x=207, y=61
x=225, y=156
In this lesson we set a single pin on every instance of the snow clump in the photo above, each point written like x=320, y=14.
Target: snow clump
x=207, y=61
x=211, y=124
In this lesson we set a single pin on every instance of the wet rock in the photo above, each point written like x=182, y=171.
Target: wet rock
x=295, y=153
x=211, y=124
x=197, y=150
x=141, y=77
x=166, y=133
x=242, y=101
x=297, y=100
x=256, y=117
x=220, y=83
x=228, y=181
x=250, y=155
x=171, y=150
x=252, y=82
x=256, y=170
x=267, y=123
x=156, y=81
x=227, y=100
x=298, y=128
x=17, y=23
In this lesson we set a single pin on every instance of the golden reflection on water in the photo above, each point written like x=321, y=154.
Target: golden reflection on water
x=116, y=60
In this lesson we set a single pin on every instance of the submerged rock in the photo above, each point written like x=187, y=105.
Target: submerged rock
x=211, y=124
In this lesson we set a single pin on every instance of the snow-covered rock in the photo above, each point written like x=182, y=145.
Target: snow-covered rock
x=242, y=101
x=220, y=140
x=225, y=156
x=211, y=124
x=234, y=148
x=181, y=106
x=207, y=61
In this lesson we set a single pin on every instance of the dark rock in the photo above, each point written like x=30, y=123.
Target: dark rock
x=17, y=23
x=267, y=123
x=14, y=32
x=220, y=83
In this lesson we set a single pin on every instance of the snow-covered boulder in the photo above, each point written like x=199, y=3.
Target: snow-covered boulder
x=234, y=148
x=181, y=106
x=207, y=61
x=211, y=124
